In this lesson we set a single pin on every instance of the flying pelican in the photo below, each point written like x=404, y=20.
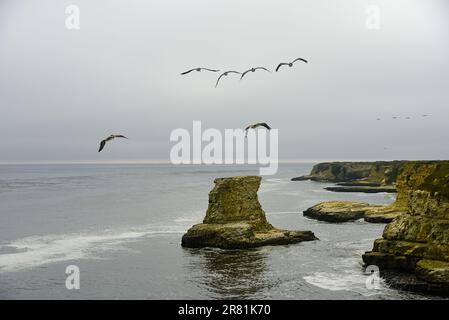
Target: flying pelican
x=425, y=115
x=394, y=117
x=225, y=74
x=408, y=118
x=378, y=119
x=112, y=136
x=199, y=70
x=253, y=70
x=254, y=126
x=290, y=64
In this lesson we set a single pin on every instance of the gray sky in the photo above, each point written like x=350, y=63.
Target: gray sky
x=62, y=91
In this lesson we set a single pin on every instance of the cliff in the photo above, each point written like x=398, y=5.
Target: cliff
x=235, y=219
x=416, y=244
x=365, y=174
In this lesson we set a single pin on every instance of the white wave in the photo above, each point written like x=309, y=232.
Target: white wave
x=39, y=250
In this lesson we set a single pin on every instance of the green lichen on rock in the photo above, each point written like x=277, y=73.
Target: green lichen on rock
x=377, y=173
x=417, y=242
x=235, y=219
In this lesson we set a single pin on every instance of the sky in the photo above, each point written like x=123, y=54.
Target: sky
x=62, y=91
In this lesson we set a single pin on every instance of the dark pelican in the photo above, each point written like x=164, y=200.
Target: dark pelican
x=290, y=64
x=199, y=70
x=256, y=125
x=253, y=70
x=112, y=136
x=224, y=74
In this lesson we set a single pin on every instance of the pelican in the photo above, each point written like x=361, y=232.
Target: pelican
x=290, y=64
x=256, y=125
x=425, y=115
x=225, y=74
x=112, y=136
x=378, y=119
x=199, y=70
x=408, y=118
x=253, y=70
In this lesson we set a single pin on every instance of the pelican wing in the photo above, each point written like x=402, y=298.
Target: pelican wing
x=120, y=136
x=188, y=71
x=280, y=65
x=243, y=74
x=213, y=70
x=262, y=68
x=221, y=75
x=263, y=124
x=300, y=59
x=102, y=144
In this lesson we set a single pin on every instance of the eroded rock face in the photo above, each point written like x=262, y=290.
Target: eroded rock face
x=368, y=174
x=417, y=242
x=235, y=219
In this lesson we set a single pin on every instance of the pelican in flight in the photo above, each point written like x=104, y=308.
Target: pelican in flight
x=224, y=74
x=425, y=115
x=199, y=70
x=256, y=125
x=111, y=137
x=408, y=118
x=253, y=70
x=290, y=64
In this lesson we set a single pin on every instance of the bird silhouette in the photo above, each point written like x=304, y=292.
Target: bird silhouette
x=256, y=125
x=253, y=70
x=111, y=137
x=290, y=64
x=199, y=70
x=224, y=74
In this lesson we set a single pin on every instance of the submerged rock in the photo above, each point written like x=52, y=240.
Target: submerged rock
x=235, y=219
x=417, y=243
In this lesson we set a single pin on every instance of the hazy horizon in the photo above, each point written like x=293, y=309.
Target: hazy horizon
x=62, y=91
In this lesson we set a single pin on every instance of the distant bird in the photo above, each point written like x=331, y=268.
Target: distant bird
x=408, y=118
x=224, y=74
x=425, y=115
x=112, y=136
x=253, y=70
x=256, y=125
x=394, y=117
x=199, y=70
x=290, y=64
x=378, y=119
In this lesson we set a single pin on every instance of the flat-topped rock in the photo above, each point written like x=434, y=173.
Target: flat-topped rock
x=235, y=219
x=343, y=211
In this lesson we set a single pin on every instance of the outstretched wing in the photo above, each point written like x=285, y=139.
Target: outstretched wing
x=263, y=124
x=102, y=144
x=280, y=65
x=262, y=68
x=120, y=136
x=213, y=70
x=218, y=80
x=186, y=72
x=243, y=74
x=300, y=59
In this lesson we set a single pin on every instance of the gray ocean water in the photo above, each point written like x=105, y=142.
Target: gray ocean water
x=122, y=226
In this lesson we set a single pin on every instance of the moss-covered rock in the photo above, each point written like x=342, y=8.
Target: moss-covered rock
x=235, y=219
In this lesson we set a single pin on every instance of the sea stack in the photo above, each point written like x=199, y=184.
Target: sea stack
x=416, y=244
x=235, y=219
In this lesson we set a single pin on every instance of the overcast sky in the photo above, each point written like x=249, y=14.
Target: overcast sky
x=61, y=91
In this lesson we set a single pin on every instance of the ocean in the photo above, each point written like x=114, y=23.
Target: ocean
x=121, y=225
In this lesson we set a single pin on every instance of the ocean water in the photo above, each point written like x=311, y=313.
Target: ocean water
x=122, y=226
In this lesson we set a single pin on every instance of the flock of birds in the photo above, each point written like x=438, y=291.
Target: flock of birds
x=242, y=74
x=251, y=126
x=224, y=74
x=406, y=118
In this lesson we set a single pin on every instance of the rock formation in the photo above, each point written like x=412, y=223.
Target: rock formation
x=342, y=211
x=416, y=244
x=235, y=219
x=367, y=174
